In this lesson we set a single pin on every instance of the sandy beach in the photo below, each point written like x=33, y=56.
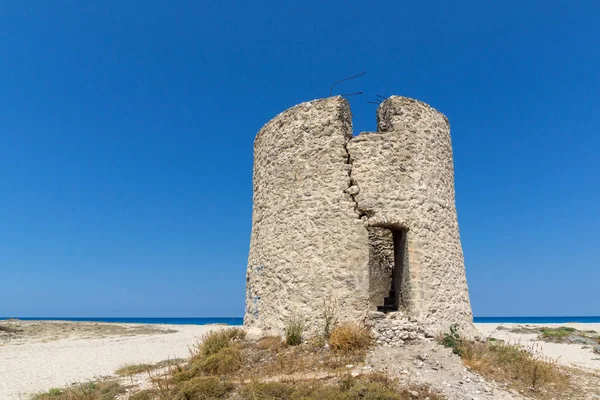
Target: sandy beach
x=569, y=354
x=37, y=356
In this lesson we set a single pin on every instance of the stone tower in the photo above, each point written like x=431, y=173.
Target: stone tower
x=367, y=223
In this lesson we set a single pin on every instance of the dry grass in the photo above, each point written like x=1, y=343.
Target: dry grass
x=215, y=341
x=557, y=334
x=204, y=388
x=289, y=360
x=218, y=353
x=226, y=366
x=148, y=394
x=9, y=329
x=331, y=311
x=271, y=343
x=106, y=390
x=561, y=334
x=227, y=361
x=524, y=369
x=350, y=337
x=132, y=369
x=365, y=387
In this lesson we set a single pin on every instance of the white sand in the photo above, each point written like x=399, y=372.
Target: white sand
x=29, y=367
x=566, y=354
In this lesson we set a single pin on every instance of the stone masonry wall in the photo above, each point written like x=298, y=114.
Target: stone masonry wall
x=307, y=244
x=405, y=176
x=324, y=205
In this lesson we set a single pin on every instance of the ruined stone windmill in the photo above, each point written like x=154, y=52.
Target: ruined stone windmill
x=369, y=221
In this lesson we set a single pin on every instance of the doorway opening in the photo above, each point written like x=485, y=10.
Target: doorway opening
x=393, y=300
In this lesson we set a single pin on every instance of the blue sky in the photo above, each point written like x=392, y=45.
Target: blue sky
x=127, y=129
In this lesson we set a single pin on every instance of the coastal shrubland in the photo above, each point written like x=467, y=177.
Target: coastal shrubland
x=561, y=334
x=225, y=364
x=557, y=334
x=14, y=329
x=523, y=369
x=343, y=363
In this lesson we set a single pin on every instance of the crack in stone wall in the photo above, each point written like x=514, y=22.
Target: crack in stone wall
x=353, y=189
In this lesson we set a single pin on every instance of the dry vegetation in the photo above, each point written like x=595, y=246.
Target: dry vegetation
x=106, y=390
x=19, y=330
x=367, y=387
x=525, y=370
x=350, y=338
x=294, y=330
x=133, y=369
x=227, y=365
x=561, y=334
x=9, y=329
x=565, y=334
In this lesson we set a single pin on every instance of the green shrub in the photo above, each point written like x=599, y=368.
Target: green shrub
x=226, y=361
x=214, y=341
x=349, y=388
x=452, y=340
x=268, y=391
x=204, y=388
x=147, y=394
x=294, y=329
x=557, y=334
x=187, y=374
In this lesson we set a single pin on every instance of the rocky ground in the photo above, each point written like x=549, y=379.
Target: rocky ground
x=431, y=364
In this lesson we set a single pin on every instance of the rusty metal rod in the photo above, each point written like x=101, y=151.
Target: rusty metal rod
x=351, y=94
x=345, y=79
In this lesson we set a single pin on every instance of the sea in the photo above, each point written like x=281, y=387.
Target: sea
x=240, y=320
